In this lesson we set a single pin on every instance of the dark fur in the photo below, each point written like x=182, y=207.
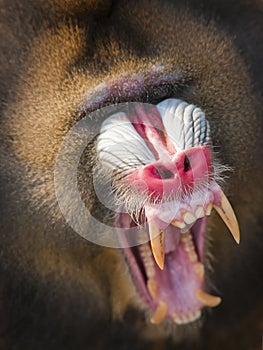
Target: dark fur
x=58, y=291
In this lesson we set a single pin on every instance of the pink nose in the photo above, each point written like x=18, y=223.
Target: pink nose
x=180, y=174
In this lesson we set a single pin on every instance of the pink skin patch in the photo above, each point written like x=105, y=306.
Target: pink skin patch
x=177, y=175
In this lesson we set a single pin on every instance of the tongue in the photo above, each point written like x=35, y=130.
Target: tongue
x=179, y=279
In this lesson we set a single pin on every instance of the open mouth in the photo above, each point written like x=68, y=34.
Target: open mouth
x=160, y=163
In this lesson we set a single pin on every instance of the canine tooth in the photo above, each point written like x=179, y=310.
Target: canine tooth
x=199, y=270
x=152, y=287
x=160, y=312
x=199, y=213
x=227, y=214
x=189, y=218
x=209, y=209
x=207, y=299
x=157, y=243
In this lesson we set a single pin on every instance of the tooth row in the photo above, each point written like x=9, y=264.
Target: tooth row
x=190, y=317
x=199, y=212
x=199, y=270
x=148, y=262
x=152, y=287
x=189, y=246
x=189, y=218
x=157, y=236
x=145, y=250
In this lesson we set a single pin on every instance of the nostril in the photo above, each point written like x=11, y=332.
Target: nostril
x=187, y=164
x=163, y=173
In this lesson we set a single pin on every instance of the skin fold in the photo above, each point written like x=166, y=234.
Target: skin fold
x=60, y=291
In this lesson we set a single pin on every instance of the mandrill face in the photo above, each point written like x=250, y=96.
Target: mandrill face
x=126, y=127
x=160, y=158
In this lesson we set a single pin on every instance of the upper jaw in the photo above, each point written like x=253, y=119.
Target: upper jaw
x=183, y=214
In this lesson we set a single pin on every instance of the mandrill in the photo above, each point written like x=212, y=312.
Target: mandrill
x=131, y=144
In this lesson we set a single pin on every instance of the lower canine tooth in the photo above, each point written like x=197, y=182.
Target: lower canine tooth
x=152, y=287
x=207, y=299
x=160, y=312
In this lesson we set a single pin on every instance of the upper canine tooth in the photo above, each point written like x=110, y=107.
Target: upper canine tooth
x=207, y=299
x=160, y=312
x=189, y=218
x=227, y=214
x=157, y=243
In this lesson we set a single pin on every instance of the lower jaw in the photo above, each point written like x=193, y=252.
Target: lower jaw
x=171, y=293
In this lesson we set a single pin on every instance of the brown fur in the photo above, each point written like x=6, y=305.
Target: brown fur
x=59, y=291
